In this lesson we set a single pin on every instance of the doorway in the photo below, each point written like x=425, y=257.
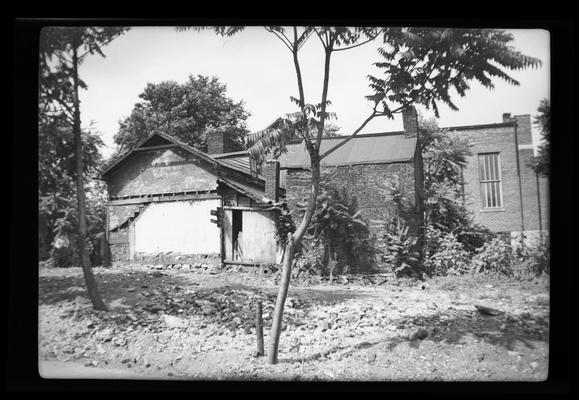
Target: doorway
x=237, y=234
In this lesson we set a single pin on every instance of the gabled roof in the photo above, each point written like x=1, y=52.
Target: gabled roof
x=377, y=148
x=149, y=139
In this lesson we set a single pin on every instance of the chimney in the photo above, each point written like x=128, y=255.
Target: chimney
x=410, y=122
x=506, y=117
x=218, y=141
x=271, y=174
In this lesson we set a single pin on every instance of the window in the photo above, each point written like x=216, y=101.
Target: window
x=491, y=191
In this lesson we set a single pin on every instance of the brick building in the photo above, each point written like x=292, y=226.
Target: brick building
x=366, y=167
x=501, y=190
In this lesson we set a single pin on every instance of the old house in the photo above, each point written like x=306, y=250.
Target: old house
x=170, y=203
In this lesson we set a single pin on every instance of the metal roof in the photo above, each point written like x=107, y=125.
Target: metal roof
x=363, y=149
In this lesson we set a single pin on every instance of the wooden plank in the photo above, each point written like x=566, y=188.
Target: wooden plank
x=239, y=262
x=248, y=208
x=161, y=198
x=158, y=147
x=259, y=329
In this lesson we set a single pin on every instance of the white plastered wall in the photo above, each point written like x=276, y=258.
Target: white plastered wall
x=180, y=227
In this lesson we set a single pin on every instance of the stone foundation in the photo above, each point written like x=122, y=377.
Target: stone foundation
x=119, y=252
x=176, y=258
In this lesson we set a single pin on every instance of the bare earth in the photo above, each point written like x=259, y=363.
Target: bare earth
x=199, y=325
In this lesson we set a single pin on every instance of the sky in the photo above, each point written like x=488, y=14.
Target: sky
x=258, y=69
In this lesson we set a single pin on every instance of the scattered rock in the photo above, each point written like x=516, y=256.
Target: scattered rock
x=173, y=322
x=418, y=334
x=157, y=307
x=488, y=311
x=255, y=353
x=371, y=357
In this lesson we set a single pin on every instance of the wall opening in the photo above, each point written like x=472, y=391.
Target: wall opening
x=237, y=229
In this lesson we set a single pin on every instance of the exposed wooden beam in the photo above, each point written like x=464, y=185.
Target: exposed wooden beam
x=158, y=147
x=248, y=208
x=163, y=198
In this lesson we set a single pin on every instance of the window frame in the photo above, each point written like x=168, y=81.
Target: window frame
x=484, y=184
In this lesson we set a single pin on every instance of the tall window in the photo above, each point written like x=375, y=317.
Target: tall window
x=491, y=191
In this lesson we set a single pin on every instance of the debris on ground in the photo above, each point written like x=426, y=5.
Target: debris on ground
x=201, y=325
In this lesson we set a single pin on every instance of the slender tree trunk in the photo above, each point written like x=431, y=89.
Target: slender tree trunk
x=89, y=278
x=293, y=242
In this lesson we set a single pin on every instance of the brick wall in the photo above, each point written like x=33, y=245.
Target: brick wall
x=501, y=139
x=219, y=142
x=368, y=184
x=272, y=179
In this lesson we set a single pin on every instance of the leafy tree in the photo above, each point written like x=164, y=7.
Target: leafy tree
x=56, y=186
x=187, y=111
x=419, y=65
x=62, y=50
x=445, y=155
x=542, y=163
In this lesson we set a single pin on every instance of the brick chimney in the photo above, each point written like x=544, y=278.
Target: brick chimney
x=219, y=142
x=271, y=173
x=410, y=122
x=507, y=117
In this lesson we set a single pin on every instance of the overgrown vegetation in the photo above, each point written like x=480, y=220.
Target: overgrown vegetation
x=338, y=240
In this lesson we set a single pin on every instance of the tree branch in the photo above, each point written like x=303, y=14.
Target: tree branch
x=320, y=37
x=357, y=45
x=294, y=51
x=343, y=142
x=287, y=44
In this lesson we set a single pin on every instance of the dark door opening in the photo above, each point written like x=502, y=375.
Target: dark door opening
x=237, y=234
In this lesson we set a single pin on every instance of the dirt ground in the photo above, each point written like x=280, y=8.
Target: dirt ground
x=199, y=324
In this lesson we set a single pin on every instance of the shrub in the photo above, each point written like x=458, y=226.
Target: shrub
x=532, y=262
x=449, y=256
x=400, y=248
x=496, y=257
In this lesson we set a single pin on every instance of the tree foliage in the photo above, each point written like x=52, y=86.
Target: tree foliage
x=57, y=208
x=337, y=234
x=56, y=65
x=542, y=162
x=62, y=50
x=58, y=174
x=186, y=111
x=445, y=155
x=425, y=65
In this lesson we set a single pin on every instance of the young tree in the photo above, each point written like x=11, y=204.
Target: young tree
x=542, y=163
x=186, y=111
x=62, y=50
x=420, y=66
x=56, y=186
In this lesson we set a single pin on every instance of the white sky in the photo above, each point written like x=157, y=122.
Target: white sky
x=258, y=69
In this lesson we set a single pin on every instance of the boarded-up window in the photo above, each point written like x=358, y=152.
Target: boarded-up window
x=491, y=190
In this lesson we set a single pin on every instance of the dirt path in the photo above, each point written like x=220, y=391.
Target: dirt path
x=199, y=325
